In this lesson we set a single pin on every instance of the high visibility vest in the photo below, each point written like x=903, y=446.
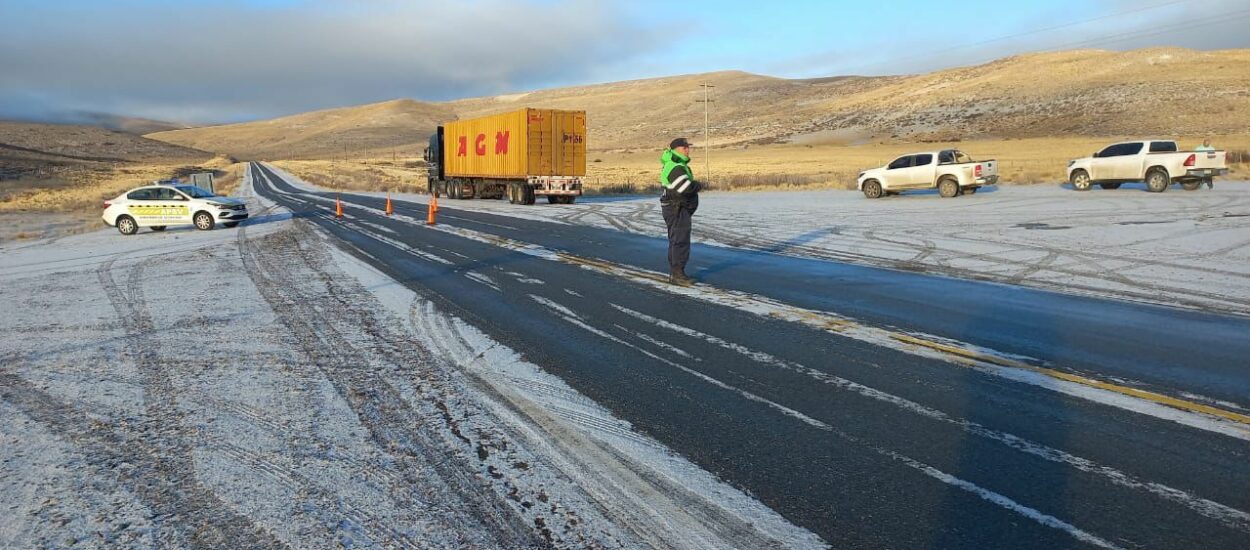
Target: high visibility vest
x=672, y=160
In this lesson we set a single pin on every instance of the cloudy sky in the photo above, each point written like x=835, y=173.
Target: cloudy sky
x=230, y=60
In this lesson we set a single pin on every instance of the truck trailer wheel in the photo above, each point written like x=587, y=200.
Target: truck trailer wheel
x=527, y=195
x=1157, y=180
x=948, y=188
x=568, y=199
x=1080, y=180
x=552, y=199
x=1192, y=185
x=872, y=189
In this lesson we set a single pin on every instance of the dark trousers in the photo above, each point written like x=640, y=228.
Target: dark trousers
x=677, y=219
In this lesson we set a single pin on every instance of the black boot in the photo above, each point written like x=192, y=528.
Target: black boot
x=679, y=278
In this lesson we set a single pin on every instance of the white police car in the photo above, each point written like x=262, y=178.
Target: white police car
x=160, y=206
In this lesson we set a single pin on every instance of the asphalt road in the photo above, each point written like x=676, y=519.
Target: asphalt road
x=866, y=445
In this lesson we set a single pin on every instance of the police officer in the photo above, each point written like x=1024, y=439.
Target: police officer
x=678, y=203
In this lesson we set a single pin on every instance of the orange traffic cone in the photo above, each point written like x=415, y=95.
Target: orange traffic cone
x=429, y=220
x=389, y=209
x=434, y=202
x=338, y=207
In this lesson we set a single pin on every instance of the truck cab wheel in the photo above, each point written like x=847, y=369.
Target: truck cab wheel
x=948, y=188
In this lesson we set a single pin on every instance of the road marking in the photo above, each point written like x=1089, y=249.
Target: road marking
x=988, y=495
x=1228, y=515
x=1083, y=380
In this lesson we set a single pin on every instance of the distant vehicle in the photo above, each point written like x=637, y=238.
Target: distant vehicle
x=519, y=155
x=160, y=206
x=951, y=172
x=1157, y=162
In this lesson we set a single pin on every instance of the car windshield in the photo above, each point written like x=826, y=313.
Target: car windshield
x=195, y=192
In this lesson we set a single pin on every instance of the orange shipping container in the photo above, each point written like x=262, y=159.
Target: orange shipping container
x=528, y=142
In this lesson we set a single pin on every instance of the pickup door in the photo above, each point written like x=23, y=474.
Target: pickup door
x=910, y=171
x=1118, y=162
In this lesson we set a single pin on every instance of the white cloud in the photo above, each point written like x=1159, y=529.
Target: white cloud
x=199, y=62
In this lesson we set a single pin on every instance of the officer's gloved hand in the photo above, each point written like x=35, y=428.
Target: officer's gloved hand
x=693, y=188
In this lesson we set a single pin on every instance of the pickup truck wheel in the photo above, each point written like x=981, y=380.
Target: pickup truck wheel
x=1191, y=185
x=126, y=225
x=204, y=221
x=948, y=188
x=1157, y=181
x=1080, y=180
x=1109, y=185
x=872, y=189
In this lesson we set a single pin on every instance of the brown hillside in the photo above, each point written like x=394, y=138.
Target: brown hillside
x=1163, y=91
x=320, y=134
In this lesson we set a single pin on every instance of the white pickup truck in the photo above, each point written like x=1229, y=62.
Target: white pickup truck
x=951, y=171
x=1157, y=162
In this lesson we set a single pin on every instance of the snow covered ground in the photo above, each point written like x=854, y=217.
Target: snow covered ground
x=1181, y=248
x=256, y=387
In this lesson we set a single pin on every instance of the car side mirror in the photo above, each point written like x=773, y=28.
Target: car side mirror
x=1095, y=155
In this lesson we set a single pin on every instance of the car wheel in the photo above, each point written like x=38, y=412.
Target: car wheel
x=1080, y=180
x=126, y=225
x=1157, y=181
x=1109, y=185
x=230, y=224
x=204, y=221
x=948, y=188
x=158, y=228
x=1191, y=185
x=872, y=189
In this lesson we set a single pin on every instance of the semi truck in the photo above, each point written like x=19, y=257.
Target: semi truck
x=520, y=155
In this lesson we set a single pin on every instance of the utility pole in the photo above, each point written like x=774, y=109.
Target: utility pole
x=707, y=141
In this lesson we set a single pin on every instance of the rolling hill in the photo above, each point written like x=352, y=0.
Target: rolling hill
x=1164, y=91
